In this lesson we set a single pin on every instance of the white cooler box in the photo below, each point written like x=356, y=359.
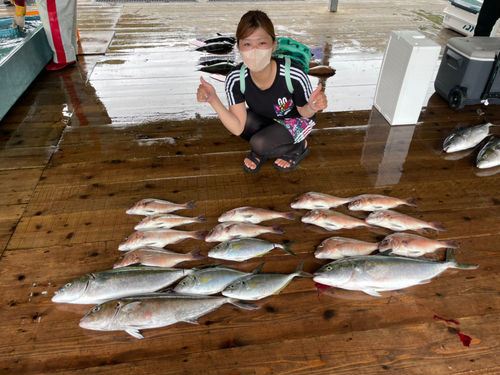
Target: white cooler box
x=461, y=16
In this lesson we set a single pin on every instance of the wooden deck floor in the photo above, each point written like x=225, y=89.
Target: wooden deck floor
x=83, y=144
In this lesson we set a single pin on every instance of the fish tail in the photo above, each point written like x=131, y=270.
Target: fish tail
x=202, y=218
x=195, y=254
x=258, y=269
x=450, y=258
x=190, y=205
x=450, y=244
x=411, y=202
x=286, y=247
x=243, y=304
x=289, y=215
x=437, y=225
x=200, y=234
x=276, y=229
x=299, y=272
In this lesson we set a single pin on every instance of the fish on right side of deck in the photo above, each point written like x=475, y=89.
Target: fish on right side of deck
x=489, y=155
x=466, y=138
x=399, y=222
x=373, y=202
x=317, y=201
x=342, y=247
x=412, y=245
x=333, y=220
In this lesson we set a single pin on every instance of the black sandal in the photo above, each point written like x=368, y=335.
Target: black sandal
x=293, y=159
x=258, y=163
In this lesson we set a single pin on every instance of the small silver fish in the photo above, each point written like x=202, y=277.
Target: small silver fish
x=464, y=139
x=341, y=247
x=379, y=273
x=167, y=221
x=233, y=229
x=254, y=215
x=400, y=222
x=372, y=202
x=412, y=245
x=332, y=220
x=154, y=310
x=489, y=156
x=317, y=201
x=241, y=249
x=156, y=257
x=152, y=206
x=158, y=238
x=258, y=286
x=211, y=279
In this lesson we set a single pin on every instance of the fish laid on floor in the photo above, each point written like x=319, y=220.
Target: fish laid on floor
x=242, y=249
x=380, y=273
x=261, y=285
x=211, y=279
x=332, y=220
x=158, y=238
x=221, y=38
x=254, y=215
x=400, y=222
x=167, y=221
x=221, y=68
x=341, y=247
x=322, y=70
x=216, y=47
x=412, y=245
x=154, y=310
x=152, y=206
x=464, y=139
x=101, y=286
x=372, y=202
x=156, y=257
x=489, y=156
x=232, y=230
x=317, y=201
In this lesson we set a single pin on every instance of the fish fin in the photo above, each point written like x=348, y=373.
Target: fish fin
x=424, y=282
x=301, y=273
x=383, y=250
x=411, y=202
x=286, y=247
x=190, y=205
x=134, y=332
x=372, y=292
x=258, y=268
x=202, y=218
x=437, y=225
x=454, y=264
x=192, y=321
x=450, y=244
x=276, y=229
x=205, y=266
x=195, y=254
x=200, y=234
x=129, y=307
x=289, y=215
x=243, y=304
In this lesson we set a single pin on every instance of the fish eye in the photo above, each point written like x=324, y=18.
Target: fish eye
x=322, y=245
x=329, y=268
x=96, y=309
x=183, y=283
x=232, y=287
x=67, y=285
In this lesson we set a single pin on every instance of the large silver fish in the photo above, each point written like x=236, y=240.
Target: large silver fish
x=380, y=273
x=261, y=285
x=242, y=249
x=254, y=215
x=234, y=229
x=332, y=220
x=102, y=286
x=156, y=257
x=167, y=221
x=211, y=279
x=464, y=139
x=397, y=221
x=317, y=201
x=341, y=247
x=130, y=314
x=489, y=156
x=412, y=245
x=158, y=238
x=152, y=206
x=372, y=202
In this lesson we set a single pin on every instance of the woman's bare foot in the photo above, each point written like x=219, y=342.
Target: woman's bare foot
x=283, y=163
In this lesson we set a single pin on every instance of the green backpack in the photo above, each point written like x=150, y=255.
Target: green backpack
x=288, y=49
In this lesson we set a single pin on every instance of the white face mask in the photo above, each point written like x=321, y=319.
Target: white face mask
x=256, y=59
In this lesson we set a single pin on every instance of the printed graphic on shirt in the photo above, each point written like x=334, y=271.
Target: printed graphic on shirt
x=284, y=107
x=299, y=128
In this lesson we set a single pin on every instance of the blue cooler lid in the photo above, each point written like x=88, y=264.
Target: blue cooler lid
x=473, y=6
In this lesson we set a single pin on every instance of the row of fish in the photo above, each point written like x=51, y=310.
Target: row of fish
x=468, y=138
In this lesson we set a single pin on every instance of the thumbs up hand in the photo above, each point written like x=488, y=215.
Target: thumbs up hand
x=206, y=92
x=318, y=100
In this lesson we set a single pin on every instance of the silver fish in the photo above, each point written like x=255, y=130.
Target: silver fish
x=258, y=286
x=332, y=220
x=152, y=206
x=341, y=247
x=211, y=279
x=254, y=215
x=158, y=238
x=489, y=156
x=464, y=139
x=397, y=221
x=233, y=229
x=379, y=273
x=167, y=221
x=101, y=286
x=317, y=201
x=372, y=202
x=412, y=245
x=130, y=314
x=156, y=257
x=242, y=249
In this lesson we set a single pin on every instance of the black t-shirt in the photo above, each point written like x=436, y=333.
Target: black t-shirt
x=275, y=102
